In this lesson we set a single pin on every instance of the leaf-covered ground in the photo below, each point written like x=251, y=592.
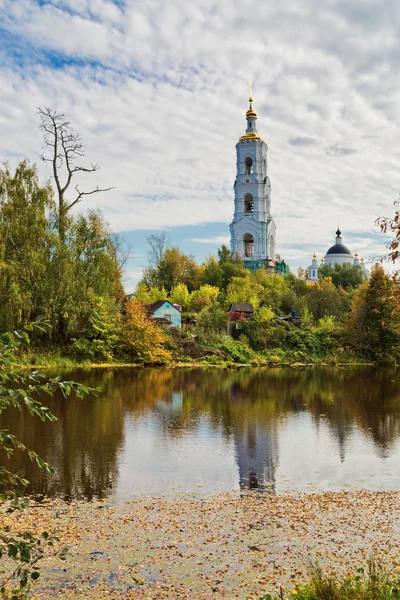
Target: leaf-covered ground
x=221, y=547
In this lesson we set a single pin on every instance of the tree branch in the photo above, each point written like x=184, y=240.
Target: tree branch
x=81, y=194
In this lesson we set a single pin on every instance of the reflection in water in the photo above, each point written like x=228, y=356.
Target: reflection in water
x=158, y=431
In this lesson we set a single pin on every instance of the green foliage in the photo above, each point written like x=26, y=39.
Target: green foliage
x=210, y=292
x=373, y=325
x=173, y=268
x=220, y=272
x=42, y=275
x=21, y=389
x=346, y=276
x=212, y=322
x=237, y=351
x=149, y=295
x=243, y=290
x=325, y=299
x=180, y=295
x=99, y=334
x=24, y=262
x=375, y=582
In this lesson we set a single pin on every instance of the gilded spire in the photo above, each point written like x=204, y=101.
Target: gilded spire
x=251, y=116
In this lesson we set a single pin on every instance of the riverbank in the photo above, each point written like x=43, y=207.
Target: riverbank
x=44, y=361
x=220, y=547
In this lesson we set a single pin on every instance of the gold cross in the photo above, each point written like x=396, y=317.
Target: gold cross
x=251, y=85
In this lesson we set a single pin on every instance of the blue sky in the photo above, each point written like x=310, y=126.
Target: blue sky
x=158, y=92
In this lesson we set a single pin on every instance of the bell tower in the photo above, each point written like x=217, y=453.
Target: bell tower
x=253, y=229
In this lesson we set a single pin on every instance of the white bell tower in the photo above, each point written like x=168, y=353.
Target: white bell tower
x=253, y=229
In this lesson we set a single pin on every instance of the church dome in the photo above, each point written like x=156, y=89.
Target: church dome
x=251, y=113
x=339, y=249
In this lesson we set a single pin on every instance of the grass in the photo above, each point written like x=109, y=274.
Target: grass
x=374, y=583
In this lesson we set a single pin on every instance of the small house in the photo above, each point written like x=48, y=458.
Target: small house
x=166, y=313
x=240, y=310
x=237, y=313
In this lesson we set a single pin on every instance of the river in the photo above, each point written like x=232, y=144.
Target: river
x=202, y=432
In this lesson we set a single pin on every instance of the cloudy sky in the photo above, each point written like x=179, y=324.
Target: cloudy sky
x=158, y=91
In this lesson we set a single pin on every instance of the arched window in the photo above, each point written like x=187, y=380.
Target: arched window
x=271, y=245
x=248, y=203
x=248, y=243
x=248, y=163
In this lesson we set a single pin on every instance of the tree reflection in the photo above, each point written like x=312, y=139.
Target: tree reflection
x=246, y=406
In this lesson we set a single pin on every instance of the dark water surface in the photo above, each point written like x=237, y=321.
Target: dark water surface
x=204, y=432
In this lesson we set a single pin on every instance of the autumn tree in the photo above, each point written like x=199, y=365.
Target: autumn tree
x=373, y=326
x=140, y=338
x=64, y=150
x=325, y=299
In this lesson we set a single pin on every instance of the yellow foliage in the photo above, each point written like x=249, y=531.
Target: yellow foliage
x=141, y=338
x=211, y=292
x=265, y=314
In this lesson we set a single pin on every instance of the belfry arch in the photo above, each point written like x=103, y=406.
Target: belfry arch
x=248, y=203
x=248, y=165
x=248, y=245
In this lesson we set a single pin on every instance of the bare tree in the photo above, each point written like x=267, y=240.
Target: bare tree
x=65, y=148
x=157, y=246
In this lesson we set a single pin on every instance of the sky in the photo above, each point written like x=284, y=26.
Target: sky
x=158, y=91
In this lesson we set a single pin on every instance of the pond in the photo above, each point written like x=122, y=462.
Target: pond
x=163, y=431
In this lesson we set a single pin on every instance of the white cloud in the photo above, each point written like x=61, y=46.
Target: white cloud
x=157, y=90
x=217, y=239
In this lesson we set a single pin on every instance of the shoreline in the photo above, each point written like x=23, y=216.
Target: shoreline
x=191, y=365
x=215, y=547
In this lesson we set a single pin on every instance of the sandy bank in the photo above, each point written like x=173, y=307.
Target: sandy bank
x=221, y=547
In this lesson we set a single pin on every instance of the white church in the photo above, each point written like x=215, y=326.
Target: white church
x=338, y=254
x=253, y=230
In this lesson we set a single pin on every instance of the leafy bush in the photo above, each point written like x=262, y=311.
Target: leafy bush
x=374, y=583
x=237, y=351
x=20, y=553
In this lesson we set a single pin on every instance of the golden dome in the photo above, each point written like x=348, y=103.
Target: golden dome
x=355, y=254
x=252, y=135
x=362, y=259
x=322, y=261
x=251, y=113
x=314, y=256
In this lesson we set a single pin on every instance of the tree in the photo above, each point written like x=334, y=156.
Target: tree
x=180, y=295
x=210, y=292
x=244, y=290
x=157, y=246
x=346, y=276
x=173, y=268
x=374, y=320
x=212, y=322
x=148, y=295
x=86, y=264
x=65, y=149
x=141, y=339
x=26, y=245
x=20, y=553
x=325, y=299
x=392, y=225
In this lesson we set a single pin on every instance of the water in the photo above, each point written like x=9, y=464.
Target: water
x=204, y=432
